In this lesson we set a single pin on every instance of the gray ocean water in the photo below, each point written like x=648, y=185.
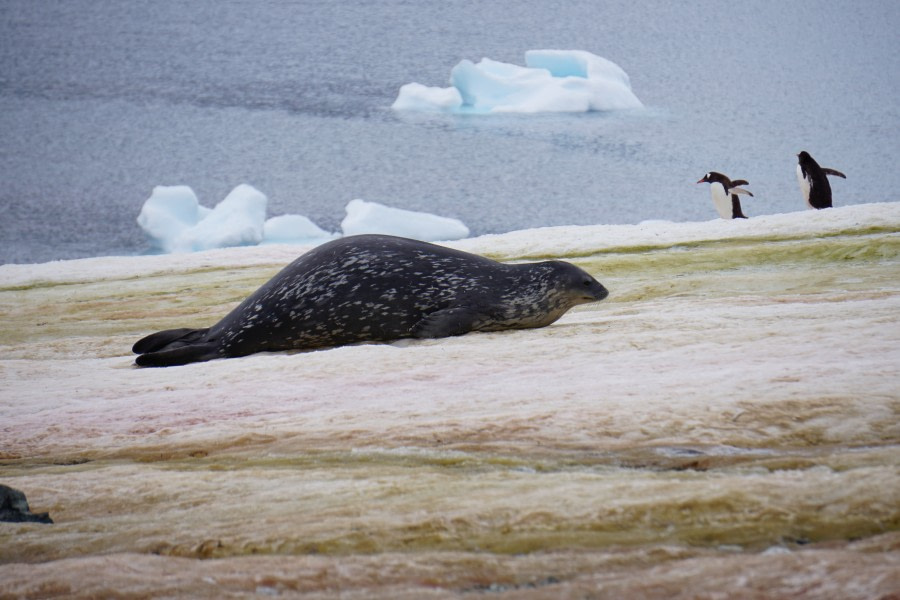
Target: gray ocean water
x=100, y=101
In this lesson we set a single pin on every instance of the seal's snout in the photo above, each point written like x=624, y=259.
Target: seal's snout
x=593, y=290
x=599, y=292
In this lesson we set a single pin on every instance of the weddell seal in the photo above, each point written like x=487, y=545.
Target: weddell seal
x=378, y=288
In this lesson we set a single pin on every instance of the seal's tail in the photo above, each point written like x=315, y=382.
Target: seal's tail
x=174, y=347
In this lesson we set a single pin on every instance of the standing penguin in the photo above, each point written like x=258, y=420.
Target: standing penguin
x=813, y=181
x=724, y=194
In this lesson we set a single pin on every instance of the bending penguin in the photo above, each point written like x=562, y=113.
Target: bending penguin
x=813, y=181
x=724, y=194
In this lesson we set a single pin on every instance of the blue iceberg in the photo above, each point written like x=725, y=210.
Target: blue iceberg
x=551, y=81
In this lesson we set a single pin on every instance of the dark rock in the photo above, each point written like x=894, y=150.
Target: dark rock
x=14, y=508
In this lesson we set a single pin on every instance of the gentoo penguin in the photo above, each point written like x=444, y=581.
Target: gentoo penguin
x=813, y=181
x=724, y=194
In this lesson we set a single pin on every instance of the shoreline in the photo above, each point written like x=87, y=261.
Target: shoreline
x=726, y=420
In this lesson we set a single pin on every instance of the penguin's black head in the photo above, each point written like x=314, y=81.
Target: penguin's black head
x=713, y=177
x=807, y=162
x=804, y=156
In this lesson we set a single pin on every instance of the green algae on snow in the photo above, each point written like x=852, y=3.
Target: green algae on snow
x=731, y=396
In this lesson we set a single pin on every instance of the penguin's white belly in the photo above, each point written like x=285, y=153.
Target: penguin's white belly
x=805, y=186
x=721, y=200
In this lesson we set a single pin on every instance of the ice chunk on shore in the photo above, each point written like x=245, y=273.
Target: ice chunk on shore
x=168, y=213
x=235, y=221
x=551, y=81
x=372, y=217
x=294, y=229
x=176, y=222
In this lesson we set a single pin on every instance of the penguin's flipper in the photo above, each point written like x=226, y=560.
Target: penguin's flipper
x=737, y=190
x=834, y=172
x=738, y=182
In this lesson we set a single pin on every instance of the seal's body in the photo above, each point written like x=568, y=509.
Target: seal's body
x=379, y=288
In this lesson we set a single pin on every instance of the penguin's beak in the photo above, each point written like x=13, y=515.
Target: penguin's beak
x=702, y=180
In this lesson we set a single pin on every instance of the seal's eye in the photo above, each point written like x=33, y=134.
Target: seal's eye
x=587, y=283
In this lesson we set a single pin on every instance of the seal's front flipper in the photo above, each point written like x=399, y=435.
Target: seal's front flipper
x=180, y=355
x=834, y=172
x=456, y=320
x=161, y=339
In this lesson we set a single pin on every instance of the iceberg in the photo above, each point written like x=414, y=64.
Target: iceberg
x=237, y=220
x=294, y=229
x=168, y=213
x=415, y=96
x=372, y=217
x=176, y=222
x=551, y=81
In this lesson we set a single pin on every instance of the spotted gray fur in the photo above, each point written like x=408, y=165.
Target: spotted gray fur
x=379, y=288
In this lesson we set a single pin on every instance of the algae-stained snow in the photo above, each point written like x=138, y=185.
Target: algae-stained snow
x=727, y=419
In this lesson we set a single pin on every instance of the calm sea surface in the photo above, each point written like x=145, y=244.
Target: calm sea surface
x=102, y=100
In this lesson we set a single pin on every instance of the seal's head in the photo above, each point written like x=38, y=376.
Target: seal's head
x=574, y=285
x=540, y=293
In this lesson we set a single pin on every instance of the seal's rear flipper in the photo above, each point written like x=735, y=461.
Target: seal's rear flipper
x=161, y=339
x=180, y=355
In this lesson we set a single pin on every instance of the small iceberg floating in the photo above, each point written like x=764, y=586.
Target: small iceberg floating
x=551, y=81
